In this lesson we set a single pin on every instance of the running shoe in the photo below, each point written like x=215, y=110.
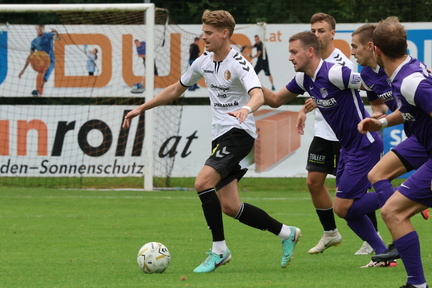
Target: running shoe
x=289, y=244
x=213, y=261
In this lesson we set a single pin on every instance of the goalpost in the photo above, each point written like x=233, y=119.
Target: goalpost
x=84, y=126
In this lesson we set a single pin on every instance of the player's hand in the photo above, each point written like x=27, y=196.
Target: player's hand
x=129, y=116
x=21, y=73
x=369, y=124
x=310, y=105
x=378, y=115
x=240, y=114
x=301, y=122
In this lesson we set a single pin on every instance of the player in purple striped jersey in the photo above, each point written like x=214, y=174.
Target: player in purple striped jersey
x=406, y=156
x=334, y=89
x=412, y=89
x=324, y=146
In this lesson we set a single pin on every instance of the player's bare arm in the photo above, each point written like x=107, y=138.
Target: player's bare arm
x=379, y=109
x=256, y=101
x=26, y=64
x=57, y=35
x=165, y=96
x=372, y=124
x=301, y=121
x=278, y=98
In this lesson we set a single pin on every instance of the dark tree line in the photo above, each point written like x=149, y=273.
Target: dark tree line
x=273, y=11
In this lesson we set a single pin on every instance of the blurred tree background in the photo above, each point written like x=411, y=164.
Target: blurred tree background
x=273, y=11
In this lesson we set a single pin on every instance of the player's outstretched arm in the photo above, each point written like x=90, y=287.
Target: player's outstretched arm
x=56, y=34
x=165, y=96
x=278, y=98
x=25, y=65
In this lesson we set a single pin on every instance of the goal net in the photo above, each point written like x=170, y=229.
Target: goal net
x=70, y=74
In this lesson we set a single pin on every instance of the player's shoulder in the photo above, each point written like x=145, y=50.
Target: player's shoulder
x=338, y=57
x=237, y=62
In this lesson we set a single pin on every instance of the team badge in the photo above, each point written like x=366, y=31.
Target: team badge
x=227, y=75
x=324, y=92
x=355, y=79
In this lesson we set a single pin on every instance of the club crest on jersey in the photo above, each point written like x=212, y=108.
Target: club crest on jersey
x=227, y=75
x=355, y=79
x=324, y=92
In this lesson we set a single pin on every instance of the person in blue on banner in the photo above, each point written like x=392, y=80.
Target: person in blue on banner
x=43, y=42
x=141, y=51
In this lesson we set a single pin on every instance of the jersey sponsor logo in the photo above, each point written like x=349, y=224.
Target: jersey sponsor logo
x=225, y=105
x=227, y=75
x=386, y=96
x=325, y=103
x=209, y=71
x=219, y=88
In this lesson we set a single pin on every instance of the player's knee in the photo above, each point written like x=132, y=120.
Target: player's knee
x=229, y=210
x=389, y=215
x=200, y=185
x=373, y=177
x=340, y=212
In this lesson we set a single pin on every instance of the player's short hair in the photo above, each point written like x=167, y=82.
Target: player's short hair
x=196, y=38
x=320, y=16
x=307, y=40
x=390, y=37
x=365, y=33
x=220, y=19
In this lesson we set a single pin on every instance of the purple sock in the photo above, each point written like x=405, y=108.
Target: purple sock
x=384, y=190
x=363, y=227
x=409, y=250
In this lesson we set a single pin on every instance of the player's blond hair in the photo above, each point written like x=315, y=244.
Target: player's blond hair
x=220, y=19
x=320, y=16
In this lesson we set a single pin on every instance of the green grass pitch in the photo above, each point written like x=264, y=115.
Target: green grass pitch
x=89, y=238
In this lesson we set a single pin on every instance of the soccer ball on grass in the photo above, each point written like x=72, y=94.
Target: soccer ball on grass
x=153, y=257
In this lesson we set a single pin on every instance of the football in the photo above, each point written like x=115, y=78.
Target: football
x=153, y=257
x=40, y=61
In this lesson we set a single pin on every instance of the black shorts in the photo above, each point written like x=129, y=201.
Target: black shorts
x=262, y=65
x=227, y=152
x=323, y=156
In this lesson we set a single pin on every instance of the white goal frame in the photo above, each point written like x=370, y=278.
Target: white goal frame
x=149, y=9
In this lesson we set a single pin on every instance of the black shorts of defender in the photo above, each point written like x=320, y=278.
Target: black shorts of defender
x=227, y=152
x=323, y=156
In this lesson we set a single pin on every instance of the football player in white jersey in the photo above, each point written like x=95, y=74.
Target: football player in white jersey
x=235, y=92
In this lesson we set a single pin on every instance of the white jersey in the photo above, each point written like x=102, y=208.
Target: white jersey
x=228, y=83
x=321, y=128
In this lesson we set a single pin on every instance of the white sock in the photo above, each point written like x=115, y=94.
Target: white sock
x=285, y=232
x=420, y=285
x=219, y=247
